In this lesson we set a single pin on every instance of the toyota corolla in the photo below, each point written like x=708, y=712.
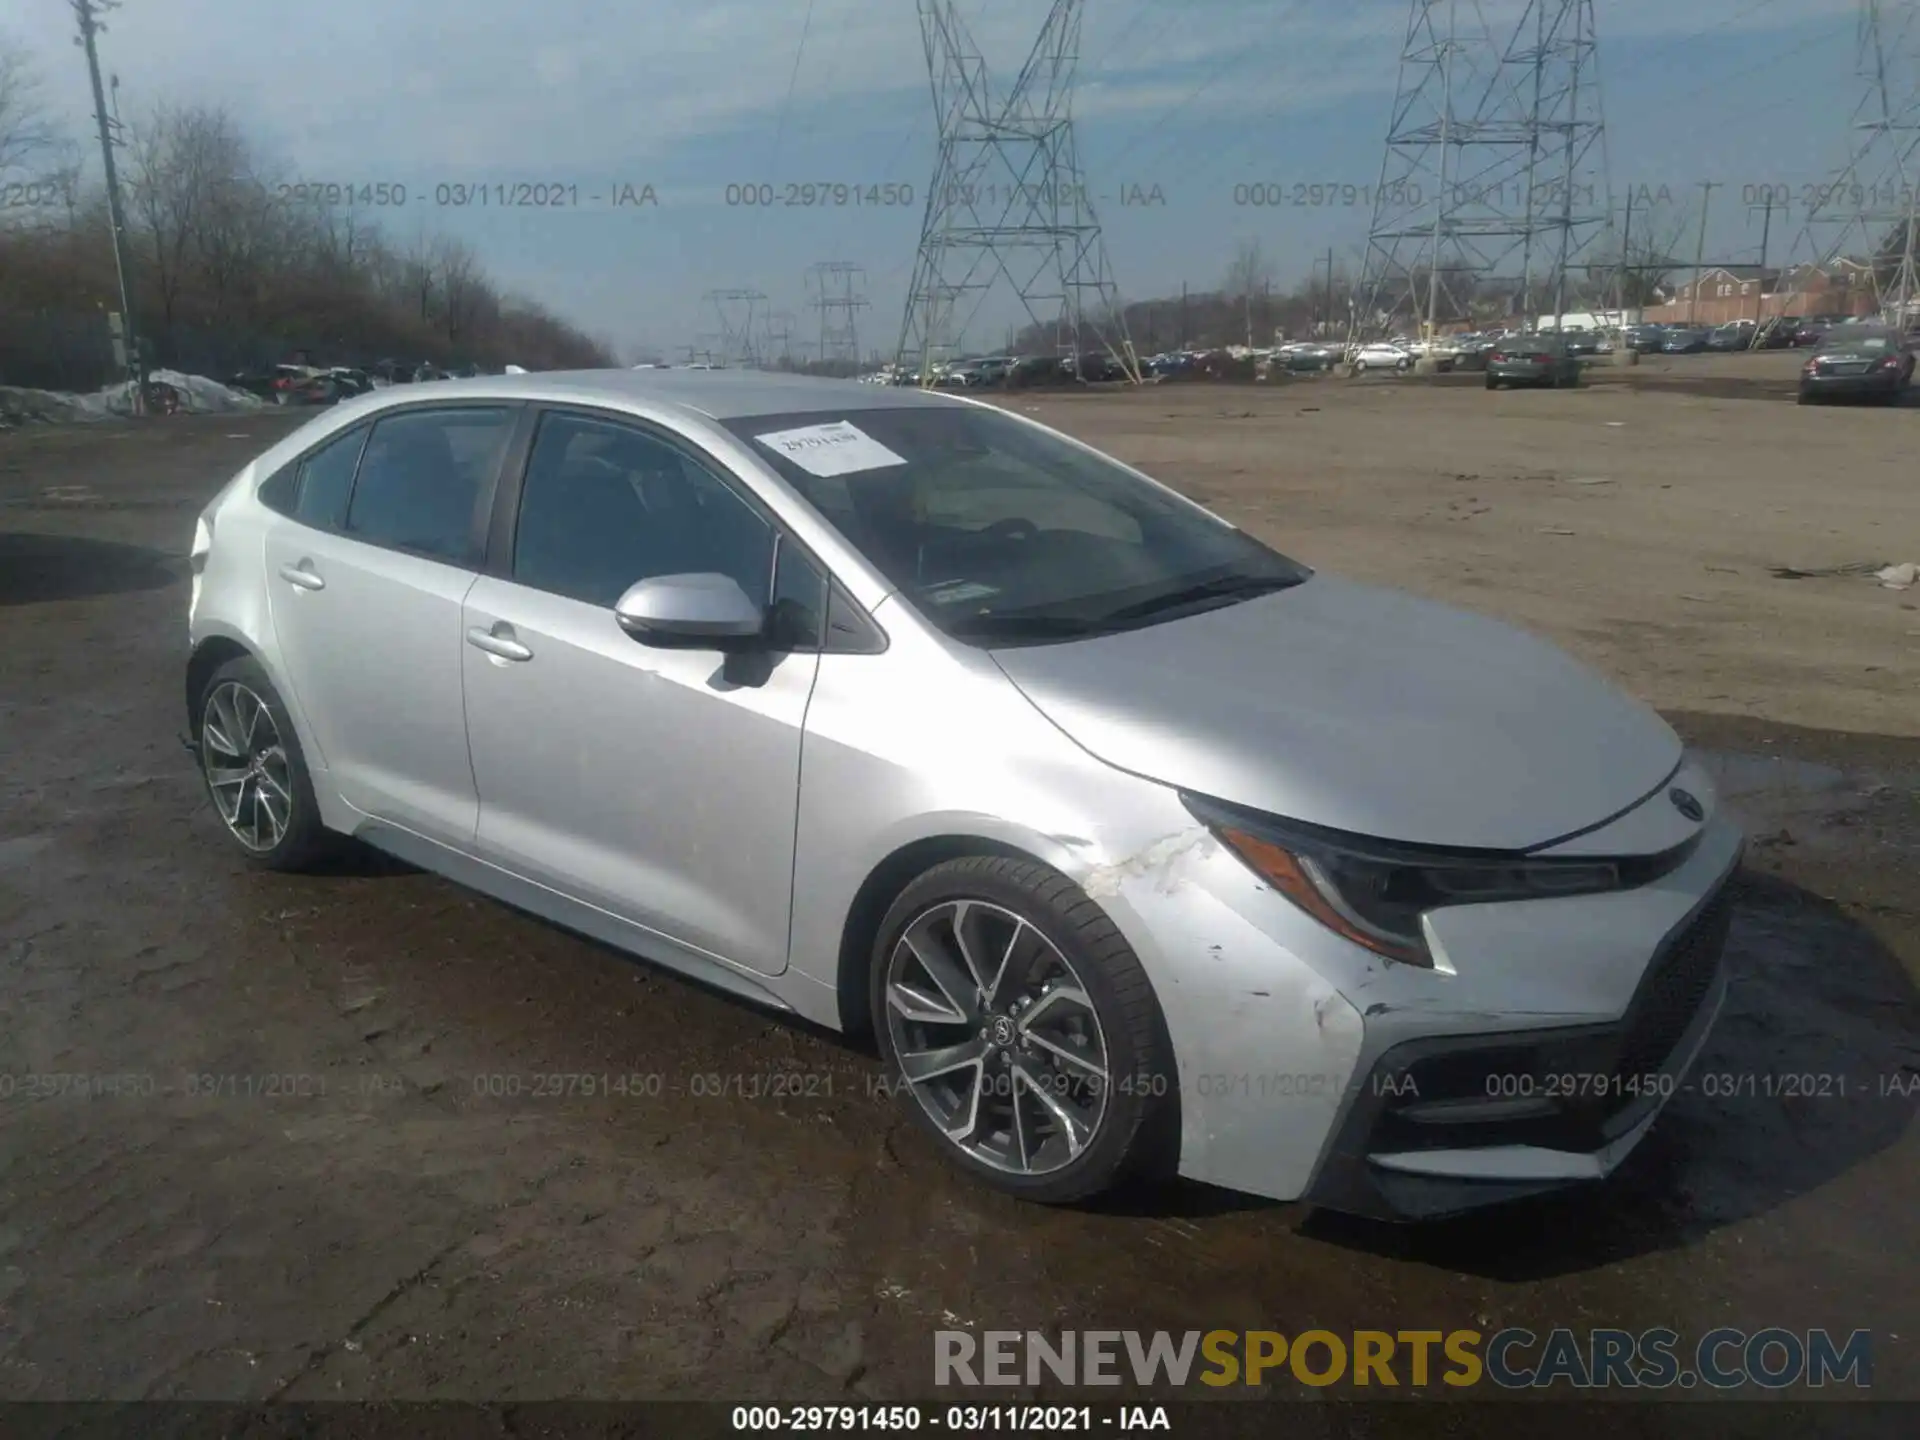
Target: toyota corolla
x=1135, y=846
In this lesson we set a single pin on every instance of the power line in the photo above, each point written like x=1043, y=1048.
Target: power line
x=779, y=129
x=1126, y=30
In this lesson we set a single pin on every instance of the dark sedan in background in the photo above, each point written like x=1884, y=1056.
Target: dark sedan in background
x=1871, y=361
x=1532, y=360
x=1684, y=340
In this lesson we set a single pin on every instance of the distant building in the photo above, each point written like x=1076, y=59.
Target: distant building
x=1750, y=292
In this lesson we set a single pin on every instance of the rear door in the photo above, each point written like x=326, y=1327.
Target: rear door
x=366, y=574
x=659, y=785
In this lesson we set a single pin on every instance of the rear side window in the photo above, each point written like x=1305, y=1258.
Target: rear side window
x=326, y=476
x=422, y=477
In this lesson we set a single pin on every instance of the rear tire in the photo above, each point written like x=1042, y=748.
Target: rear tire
x=1044, y=1063
x=1492, y=384
x=254, y=771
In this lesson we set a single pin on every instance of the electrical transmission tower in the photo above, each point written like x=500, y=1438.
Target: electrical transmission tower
x=1867, y=210
x=1008, y=200
x=835, y=287
x=780, y=338
x=738, y=321
x=1494, y=181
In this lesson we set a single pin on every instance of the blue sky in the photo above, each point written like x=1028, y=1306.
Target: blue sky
x=1191, y=97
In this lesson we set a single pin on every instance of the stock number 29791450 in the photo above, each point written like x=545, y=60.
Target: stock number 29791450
x=787, y=1419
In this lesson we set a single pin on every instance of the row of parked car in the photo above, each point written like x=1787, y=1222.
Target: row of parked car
x=291, y=384
x=1786, y=332
x=988, y=372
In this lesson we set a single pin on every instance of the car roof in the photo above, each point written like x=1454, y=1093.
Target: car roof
x=713, y=394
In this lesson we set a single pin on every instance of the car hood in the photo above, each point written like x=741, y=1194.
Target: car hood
x=1360, y=709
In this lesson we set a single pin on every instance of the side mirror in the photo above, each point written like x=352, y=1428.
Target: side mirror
x=701, y=612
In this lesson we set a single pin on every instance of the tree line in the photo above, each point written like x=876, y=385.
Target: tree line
x=225, y=273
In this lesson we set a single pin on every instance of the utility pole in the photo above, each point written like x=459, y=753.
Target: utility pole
x=1327, y=322
x=1907, y=262
x=88, y=13
x=1760, y=287
x=1440, y=200
x=1707, y=187
x=1626, y=259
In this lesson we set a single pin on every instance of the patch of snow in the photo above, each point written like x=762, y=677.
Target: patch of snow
x=198, y=396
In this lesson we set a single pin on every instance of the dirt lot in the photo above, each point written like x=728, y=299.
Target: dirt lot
x=392, y=1230
x=1634, y=522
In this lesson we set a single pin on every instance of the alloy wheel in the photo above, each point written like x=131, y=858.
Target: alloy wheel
x=246, y=766
x=997, y=1037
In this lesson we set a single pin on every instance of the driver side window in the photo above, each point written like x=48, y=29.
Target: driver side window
x=605, y=505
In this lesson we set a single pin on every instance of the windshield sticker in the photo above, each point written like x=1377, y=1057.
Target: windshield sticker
x=953, y=592
x=827, y=450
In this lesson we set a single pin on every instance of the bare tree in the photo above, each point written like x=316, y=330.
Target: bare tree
x=184, y=160
x=1248, y=275
x=460, y=287
x=26, y=133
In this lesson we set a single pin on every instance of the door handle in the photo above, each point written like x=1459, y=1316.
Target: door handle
x=302, y=577
x=501, y=645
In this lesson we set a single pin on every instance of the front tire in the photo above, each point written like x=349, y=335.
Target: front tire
x=254, y=771
x=1023, y=1031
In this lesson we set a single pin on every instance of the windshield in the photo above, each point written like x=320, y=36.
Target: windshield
x=1001, y=533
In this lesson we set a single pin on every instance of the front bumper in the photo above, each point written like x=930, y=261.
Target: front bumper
x=1311, y=1069
x=1453, y=1123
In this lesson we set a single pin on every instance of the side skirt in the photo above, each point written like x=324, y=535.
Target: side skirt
x=623, y=935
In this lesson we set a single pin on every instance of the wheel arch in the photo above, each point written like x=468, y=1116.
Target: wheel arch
x=208, y=656
x=875, y=897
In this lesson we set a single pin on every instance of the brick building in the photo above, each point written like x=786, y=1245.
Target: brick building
x=1749, y=292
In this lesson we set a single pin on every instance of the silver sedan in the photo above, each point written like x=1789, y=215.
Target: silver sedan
x=1135, y=846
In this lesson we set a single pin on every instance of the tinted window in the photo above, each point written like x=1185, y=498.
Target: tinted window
x=799, y=606
x=277, y=493
x=606, y=505
x=422, y=477
x=326, y=477
x=1001, y=532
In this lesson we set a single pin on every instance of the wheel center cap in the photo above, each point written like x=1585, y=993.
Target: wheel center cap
x=1001, y=1032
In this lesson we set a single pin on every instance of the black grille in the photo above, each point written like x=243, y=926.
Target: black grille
x=1671, y=994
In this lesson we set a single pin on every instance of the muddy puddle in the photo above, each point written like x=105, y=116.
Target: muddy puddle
x=1805, y=801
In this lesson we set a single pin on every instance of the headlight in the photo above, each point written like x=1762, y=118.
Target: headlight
x=1374, y=892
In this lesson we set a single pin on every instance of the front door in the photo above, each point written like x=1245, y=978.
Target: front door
x=660, y=785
